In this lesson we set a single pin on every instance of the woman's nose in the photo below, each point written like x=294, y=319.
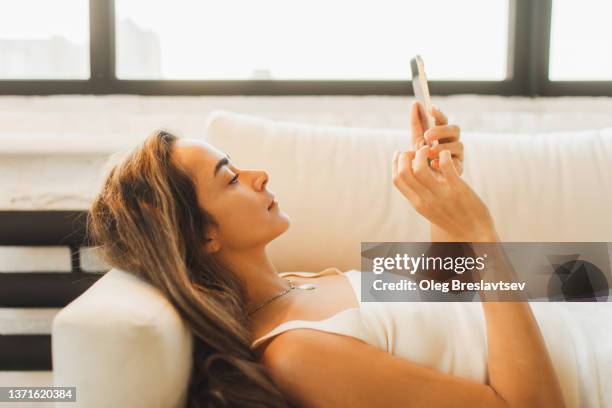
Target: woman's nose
x=261, y=179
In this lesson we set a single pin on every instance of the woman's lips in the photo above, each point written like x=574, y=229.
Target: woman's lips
x=273, y=205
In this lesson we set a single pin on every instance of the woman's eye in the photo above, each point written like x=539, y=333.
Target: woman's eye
x=234, y=179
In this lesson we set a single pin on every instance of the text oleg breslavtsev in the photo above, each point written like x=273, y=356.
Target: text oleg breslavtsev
x=453, y=284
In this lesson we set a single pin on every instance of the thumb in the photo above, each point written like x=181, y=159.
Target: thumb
x=447, y=167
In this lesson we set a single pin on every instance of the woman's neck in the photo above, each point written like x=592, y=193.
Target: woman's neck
x=259, y=274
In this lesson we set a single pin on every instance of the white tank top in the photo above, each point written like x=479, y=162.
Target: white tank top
x=451, y=337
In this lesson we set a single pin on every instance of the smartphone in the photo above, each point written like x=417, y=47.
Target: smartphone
x=421, y=93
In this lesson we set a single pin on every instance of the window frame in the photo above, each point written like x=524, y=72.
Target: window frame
x=528, y=54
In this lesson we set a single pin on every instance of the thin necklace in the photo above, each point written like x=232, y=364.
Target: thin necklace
x=304, y=286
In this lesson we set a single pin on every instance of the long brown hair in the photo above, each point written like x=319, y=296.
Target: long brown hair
x=147, y=220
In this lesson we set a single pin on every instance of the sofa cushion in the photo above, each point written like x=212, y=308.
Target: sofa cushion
x=335, y=184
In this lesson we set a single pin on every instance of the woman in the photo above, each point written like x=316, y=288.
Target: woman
x=180, y=215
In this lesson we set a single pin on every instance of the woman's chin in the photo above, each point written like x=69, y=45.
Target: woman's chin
x=276, y=212
x=284, y=222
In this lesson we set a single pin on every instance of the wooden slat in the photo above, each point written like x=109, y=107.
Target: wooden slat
x=25, y=352
x=43, y=289
x=42, y=228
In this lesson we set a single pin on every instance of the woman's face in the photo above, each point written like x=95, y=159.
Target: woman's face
x=236, y=198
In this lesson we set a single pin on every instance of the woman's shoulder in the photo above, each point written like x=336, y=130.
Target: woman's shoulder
x=302, y=339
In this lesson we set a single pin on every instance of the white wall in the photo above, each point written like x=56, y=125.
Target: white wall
x=122, y=115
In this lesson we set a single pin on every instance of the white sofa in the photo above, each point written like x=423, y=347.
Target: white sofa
x=121, y=344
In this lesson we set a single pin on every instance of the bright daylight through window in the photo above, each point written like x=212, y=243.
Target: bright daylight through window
x=310, y=40
x=41, y=39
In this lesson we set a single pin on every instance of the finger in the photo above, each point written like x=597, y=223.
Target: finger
x=435, y=164
x=416, y=127
x=458, y=166
x=440, y=117
x=456, y=149
x=394, y=164
x=407, y=177
x=404, y=188
x=447, y=168
x=443, y=134
x=423, y=172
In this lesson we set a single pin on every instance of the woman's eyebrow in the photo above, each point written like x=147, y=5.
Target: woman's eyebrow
x=223, y=162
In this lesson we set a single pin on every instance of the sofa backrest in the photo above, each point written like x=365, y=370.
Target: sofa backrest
x=335, y=183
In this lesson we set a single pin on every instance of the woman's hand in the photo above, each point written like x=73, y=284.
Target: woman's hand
x=446, y=135
x=442, y=197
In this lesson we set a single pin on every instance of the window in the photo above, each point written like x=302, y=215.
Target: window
x=581, y=45
x=304, y=47
x=311, y=40
x=42, y=39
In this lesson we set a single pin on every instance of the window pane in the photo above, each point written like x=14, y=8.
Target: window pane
x=581, y=45
x=314, y=39
x=42, y=39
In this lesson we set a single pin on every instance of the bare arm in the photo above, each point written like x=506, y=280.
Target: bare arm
x=323, y=370
x=520, y=368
